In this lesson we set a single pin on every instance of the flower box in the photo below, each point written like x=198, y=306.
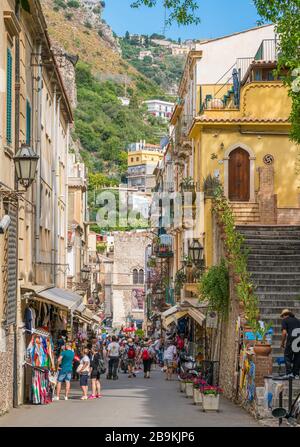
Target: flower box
x=197, y=396
x=210, y=402
x=189, y=389
x=182, y=387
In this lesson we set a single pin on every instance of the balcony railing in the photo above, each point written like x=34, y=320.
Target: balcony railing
x=228, y=86
x=164, y=246
x=268, y=51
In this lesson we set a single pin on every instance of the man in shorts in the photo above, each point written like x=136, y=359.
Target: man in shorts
x=65, y=368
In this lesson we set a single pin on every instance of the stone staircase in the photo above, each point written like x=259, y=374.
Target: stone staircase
x=274, y=262
x=245, y=213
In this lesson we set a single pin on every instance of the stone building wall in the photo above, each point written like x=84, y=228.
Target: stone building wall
x=129, y=254
x=229, y=346
x=6, y=371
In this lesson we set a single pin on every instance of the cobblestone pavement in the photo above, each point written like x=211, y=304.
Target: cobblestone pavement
x=135, y=402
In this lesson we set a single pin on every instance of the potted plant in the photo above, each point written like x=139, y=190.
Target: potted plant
x=180, y=279
x=211, y=397
x=197, y=395
x=262, y=347
x=210, y=185
x=187, y=184
x=189, y=384
x=187, y=261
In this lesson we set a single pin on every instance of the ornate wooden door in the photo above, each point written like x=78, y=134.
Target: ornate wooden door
x=239, y=176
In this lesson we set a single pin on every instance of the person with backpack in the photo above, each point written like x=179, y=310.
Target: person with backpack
x=97, y=368
x=146, y=355
x=130, y=358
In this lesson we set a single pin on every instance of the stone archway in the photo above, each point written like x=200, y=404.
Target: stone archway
x=238, y=150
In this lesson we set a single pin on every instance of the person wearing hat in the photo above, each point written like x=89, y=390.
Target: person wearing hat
x=290, y=332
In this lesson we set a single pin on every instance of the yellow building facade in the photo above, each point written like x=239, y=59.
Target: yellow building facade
x=236, y=130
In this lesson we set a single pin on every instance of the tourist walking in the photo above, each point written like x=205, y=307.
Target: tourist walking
x=290, y=332
x=97, y=368
x=65, y=368
x=131, y=358
x=146, y=355
x=170, y=359
x=113, y=353
x=84, y=372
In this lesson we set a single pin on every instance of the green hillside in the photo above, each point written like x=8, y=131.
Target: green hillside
x=105, y=127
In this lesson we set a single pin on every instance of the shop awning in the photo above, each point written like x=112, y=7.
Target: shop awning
x=61, y=297
x=80, y=308
x=197, y=315
x=175, y=317
x=83, y=319
x=169, y=312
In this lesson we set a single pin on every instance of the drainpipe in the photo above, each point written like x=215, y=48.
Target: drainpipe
x=66, y=203
x=55, y=190
x=38, y=151
x=17, y=138
x=53, y=183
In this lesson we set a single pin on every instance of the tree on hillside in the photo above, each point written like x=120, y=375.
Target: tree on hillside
x=286, y=15
x=180, y=11
x=127, y=35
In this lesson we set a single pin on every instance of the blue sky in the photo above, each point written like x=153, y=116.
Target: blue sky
x=218, y=17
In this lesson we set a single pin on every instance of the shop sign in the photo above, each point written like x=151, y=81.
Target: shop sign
x=212, y=320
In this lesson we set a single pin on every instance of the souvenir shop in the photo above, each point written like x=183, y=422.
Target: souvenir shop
x=48, y=321
x=197, y=327
x=85, y=326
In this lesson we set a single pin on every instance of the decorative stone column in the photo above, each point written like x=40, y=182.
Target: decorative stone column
x=267, y=200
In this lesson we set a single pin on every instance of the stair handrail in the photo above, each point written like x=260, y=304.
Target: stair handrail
x=231, y=68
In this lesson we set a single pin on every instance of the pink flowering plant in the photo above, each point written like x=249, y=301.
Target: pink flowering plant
x=213, y=390
x=199, y=382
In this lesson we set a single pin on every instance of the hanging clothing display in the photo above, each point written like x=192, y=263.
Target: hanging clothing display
x=41, y=387
x=40, y=351
x=41, y=357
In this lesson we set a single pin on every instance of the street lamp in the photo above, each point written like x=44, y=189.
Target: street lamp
x=196, y=252
x=26, y=161
x=85, y=273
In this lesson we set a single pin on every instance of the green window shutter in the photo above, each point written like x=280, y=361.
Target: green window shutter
x=28, y=122
x=9, y=98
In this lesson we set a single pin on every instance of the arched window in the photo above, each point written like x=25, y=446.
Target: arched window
x=141, y=276
x=135, y=275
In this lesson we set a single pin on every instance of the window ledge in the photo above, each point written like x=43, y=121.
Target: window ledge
x=11, y=23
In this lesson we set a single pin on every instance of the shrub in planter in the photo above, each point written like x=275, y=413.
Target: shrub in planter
x=262, y=347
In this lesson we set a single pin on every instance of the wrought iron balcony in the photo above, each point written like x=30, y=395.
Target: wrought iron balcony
x=164, y=246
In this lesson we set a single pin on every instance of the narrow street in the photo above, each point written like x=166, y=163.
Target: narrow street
x=129, y=403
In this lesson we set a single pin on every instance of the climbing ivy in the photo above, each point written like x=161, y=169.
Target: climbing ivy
x=214, y=287
x=236, y=256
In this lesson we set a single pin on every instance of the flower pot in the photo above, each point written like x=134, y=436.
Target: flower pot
x=189, y=386
x=182, y=387
x=210, y=402
x=262, y=350
x=197, y=396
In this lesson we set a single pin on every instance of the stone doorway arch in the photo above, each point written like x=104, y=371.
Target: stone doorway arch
x=237, y=150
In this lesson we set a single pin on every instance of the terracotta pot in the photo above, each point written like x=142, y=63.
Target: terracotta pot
x=262, y=350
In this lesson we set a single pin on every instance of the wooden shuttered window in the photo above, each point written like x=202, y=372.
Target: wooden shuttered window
x=9, y=97
x=28, y=122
